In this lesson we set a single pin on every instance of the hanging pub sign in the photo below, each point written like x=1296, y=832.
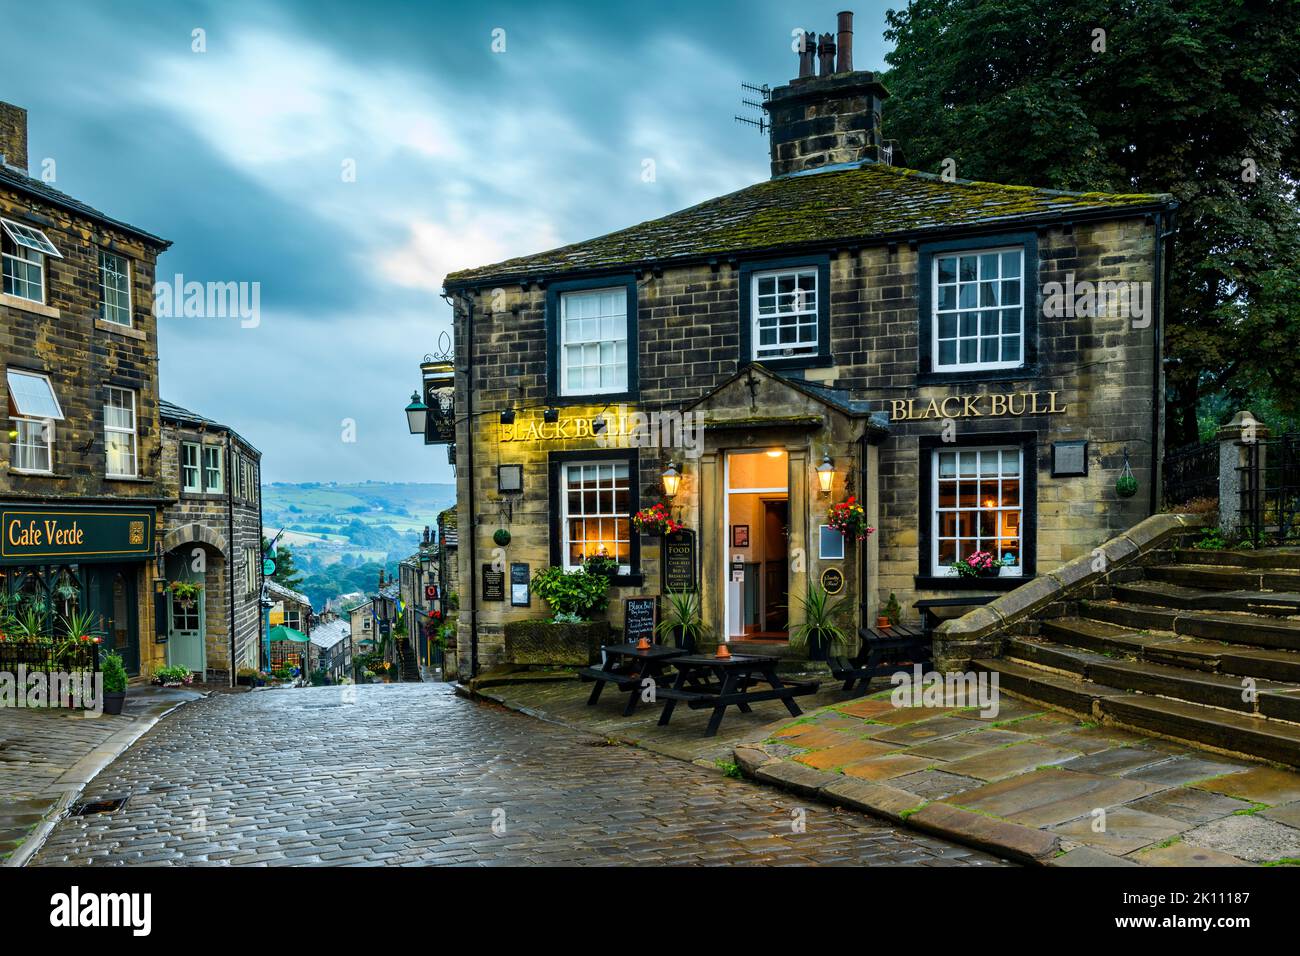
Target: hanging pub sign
x=679, y=560
x=494, y=584
x=30, y=534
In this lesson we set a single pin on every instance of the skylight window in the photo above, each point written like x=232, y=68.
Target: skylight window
x=30, y=237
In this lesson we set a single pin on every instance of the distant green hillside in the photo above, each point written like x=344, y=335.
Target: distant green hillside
x=335, y=529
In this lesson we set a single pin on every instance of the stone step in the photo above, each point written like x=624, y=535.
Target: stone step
x=1252, y=629
x=1163, y=594
x=1272, y=558
x=1055, y=690
x=1218, y=578
x=1167, y=648
x=1237, y=733
x=1197, y=724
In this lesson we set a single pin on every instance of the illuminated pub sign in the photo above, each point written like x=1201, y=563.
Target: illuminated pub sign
x=32, y=535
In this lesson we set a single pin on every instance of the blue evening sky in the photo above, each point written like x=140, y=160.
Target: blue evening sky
x=463, y=156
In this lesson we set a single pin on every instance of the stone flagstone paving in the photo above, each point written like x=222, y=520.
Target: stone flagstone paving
x=1043, y=784
x=412, y=774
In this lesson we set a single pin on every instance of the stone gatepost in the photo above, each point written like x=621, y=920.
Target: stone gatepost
x=1234, y=455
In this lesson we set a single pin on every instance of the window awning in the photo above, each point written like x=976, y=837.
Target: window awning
x=30, y=237
x=32, y=395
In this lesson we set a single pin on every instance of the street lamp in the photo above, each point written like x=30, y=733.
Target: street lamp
x=672, y=479
x=826, y=474
x=417, y=414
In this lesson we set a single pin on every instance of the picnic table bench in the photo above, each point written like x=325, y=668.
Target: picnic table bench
x=705, y=681
x=626, y=666
x=885, y=649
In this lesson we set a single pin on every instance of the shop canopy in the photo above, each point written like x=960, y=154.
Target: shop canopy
x=282, y=633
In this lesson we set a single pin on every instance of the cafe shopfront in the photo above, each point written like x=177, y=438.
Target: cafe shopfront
x=58, y=562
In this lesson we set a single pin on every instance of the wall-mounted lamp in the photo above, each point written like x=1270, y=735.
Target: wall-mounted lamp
x=826, y=474
x=417, y=413
x=507, y=416
x=672, y=479
x=551, y=416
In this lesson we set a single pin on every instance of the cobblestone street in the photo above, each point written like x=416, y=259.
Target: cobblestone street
x=412, y=774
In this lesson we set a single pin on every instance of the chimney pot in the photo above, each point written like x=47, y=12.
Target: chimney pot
x=826, y=52
x=845, y=28
x=807, y=54
x=13, y=135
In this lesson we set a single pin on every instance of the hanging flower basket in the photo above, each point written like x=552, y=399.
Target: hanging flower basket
x=849, y=518
x=501, y=537
x=1126, y=485
x=185, y=592
x=655, y=521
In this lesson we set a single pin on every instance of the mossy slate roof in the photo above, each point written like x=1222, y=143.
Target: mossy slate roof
x=852, y=203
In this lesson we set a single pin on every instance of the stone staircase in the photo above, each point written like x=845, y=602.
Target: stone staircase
x=1198, y=646
x=408, y=667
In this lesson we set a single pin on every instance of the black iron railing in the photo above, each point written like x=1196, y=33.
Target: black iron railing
x=1270, y=489
x=1191, y=472
x=49, y=665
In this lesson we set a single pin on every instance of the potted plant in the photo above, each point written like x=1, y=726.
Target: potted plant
x=655, y=521
x=682, y=620
x=978, y=564
x=246, y=677
x=891, y=613
x=185, y=592
x=114, y=682
x=849, y=518
x=819, y=632
x=174, y=675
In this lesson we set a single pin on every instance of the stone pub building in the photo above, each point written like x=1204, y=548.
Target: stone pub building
x=930, y=346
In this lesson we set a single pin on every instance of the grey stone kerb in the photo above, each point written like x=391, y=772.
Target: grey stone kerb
x=954, y=639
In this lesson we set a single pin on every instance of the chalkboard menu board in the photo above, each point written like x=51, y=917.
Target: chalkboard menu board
x=679, y=560
x=494, y=584
x=519, y=596
x=640, y=614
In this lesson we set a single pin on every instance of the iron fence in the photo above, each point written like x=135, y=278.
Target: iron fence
x=1270, y=489
x=23, y=659
x=1191, y=472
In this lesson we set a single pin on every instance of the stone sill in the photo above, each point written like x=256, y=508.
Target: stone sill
x=128, y=479
x=23, y=473
x=27, y=305
x=115, y=329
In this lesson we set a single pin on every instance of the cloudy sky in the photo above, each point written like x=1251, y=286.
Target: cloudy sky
x=463, y=155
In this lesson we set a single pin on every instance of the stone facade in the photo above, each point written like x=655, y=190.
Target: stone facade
x=212, y=535
x=63, y=336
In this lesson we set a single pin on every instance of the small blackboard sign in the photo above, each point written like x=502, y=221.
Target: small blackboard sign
x=494, y=584
x=640, y=615
x=519, y=596
x=679, y=560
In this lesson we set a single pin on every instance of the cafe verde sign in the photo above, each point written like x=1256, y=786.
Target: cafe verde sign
x=996, y=405
x=33, y=535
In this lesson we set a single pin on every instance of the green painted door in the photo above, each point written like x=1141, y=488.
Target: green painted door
x=185, y=644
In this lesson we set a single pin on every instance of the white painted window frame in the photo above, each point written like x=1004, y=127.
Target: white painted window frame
x=943, y=570
x=564, y=343
x=977, y=366
x=565, y=515
x=133, y=431
x=778, y=351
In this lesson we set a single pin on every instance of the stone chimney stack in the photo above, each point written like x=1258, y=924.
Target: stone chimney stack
x=13, y=135
x=827, y=119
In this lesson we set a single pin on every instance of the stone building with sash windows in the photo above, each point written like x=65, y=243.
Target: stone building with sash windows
x=82, y=485
x=976, y=364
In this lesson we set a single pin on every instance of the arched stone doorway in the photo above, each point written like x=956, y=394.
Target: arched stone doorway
x=197, y=626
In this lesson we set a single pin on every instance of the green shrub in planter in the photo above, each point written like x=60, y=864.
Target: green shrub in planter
x=572, y=592
x=114, y=676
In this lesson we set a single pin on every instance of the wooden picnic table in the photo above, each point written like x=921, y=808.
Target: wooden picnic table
x=626, y=666
x=882, y=651
x=721, y=682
